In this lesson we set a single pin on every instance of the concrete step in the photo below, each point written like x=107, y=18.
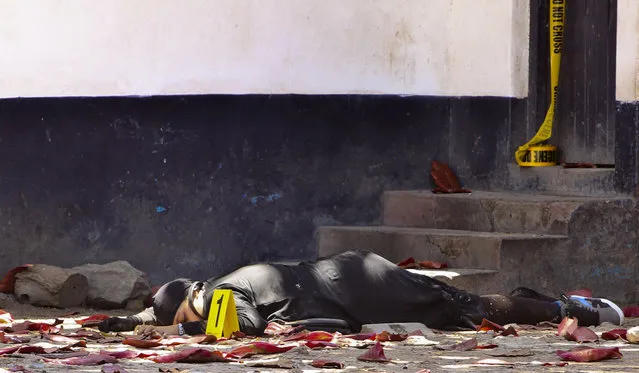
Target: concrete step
x=483, y=211
x=562, y=181
x=459, y=249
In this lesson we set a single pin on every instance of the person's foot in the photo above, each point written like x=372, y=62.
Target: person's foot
x=591, y=311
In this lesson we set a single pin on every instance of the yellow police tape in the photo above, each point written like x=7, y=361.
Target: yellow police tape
x=540, y=156
x=557, y=16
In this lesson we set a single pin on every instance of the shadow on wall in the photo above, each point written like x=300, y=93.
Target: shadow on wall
x=199, y=185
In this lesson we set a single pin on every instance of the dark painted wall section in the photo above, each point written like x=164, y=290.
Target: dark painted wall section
x=242, y=178
x=627, y=148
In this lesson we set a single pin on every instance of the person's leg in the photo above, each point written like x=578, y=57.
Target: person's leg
x=505, y=310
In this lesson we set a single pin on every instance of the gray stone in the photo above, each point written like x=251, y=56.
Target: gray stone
x=115, y=285
x=45, y=285
x=397, y=328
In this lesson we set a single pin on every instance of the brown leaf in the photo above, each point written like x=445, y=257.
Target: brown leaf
x=310, y=336
x=584, y=354
x=256, y=348
x=91, y=359
x=509, y=331
x=406, y=262
x=142, y=343
x=427, y=264
x=386, y=336
x=92, y=320
x=320, y=344
x=191, y=355
x=328, y=364
x=374, y=354
x=487, y=325
x=467, y=345
x=443, y=176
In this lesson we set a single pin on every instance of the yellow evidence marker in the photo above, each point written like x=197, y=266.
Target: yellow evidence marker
x=222, y=321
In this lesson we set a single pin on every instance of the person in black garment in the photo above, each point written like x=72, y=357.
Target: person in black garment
x=349, y=289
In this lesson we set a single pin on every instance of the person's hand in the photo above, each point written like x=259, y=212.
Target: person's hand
x=155, y=331
x=117, y=324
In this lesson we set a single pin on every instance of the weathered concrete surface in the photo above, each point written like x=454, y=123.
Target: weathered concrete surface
x=561, y=181
x=201, y=185
x=459, y=249
x=482, y=211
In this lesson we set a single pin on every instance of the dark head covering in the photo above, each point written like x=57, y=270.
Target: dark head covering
x=168, y=298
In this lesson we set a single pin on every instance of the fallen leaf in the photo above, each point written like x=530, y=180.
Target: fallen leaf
x=614, y=334
x=61, y=338
x=172, y=370
x=509, y=331
x=631, y=311
x=511, y=353
x=91, y=359
x=68, y=314
x=310, y=336
x=8, y=281
x=85, y=333
x=392, y=337
x=92, y=320
x=274, y=328
x=127, y=354
x=64, y=355
x=374, y=354
x=584, y=354
x=320, y=344
x=328, y=364
x=361, y=337
x=113, y=369
x=406, y=262
x=486, y=347
x=585, y=292
x=36, y=326
x=191, y=355
x=445, y=180
x=8, y=338
x=256, y=348
x=142, y=343
x=563, y=364
x=567, y=326
x=280, y=362
x=582, y=334
x=427, y=264
x=487, y=325
x=467, y=345
x=9, y=350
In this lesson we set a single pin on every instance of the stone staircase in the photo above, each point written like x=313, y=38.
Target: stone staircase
x=494, y=242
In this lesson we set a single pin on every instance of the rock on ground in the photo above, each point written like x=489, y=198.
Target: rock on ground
x=45, y=285
x=115, y=285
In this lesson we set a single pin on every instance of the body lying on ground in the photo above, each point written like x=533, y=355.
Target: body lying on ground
x=355, y=288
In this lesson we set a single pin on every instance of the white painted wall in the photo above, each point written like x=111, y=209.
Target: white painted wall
x=162, y=47
x=628, y=50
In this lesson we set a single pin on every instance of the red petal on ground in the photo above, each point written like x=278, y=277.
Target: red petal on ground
x=36, y=326
x=427, y=264
x=487, y=325
x=127, y=354
x=320, y=344
x=91, y=359
x=405, y=262
x=631, y=311
x=582, y=334
x=85, y=333
x=14, y=338
x=197, y=339
x=113, y=369
x=61, y=338
x=93, y=319
x=142, y=343
x=567, y=326
x=8, y=282
x=375, y=354
x=191, y=355
x=509, y=331
x=467, y=345
x=583, y=354
x=361, y=337
x=256, y=348
x=386, y=336
x=614, y=334
x=310, y=336
x=585, y=292
x=443, y=176
x=554, y=364
x=328, y=364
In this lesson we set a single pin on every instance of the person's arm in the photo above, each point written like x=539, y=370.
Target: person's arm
x=126, y=324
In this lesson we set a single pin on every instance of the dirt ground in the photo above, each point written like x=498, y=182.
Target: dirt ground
x=527, y=352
